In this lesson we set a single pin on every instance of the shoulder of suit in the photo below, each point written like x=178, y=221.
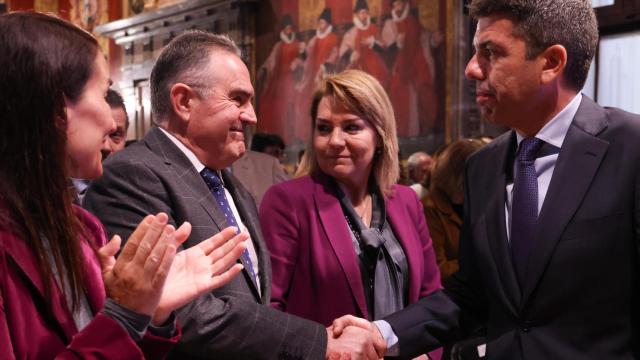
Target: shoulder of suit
x=134, y=153
x=302, y=186
x=403, y=194
x=399, y=190
x=624, y=118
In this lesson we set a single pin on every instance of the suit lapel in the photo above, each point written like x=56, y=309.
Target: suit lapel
x=398, y=218
x=339, y=236
x=497, y=227
x=575, y=168
x=183, y=171
x=246, y=208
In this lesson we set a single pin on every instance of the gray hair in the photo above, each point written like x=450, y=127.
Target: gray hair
x=184, y=60
x=544, y=23
x=416, y=158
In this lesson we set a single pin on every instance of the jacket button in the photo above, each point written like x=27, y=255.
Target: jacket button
x=525, y=326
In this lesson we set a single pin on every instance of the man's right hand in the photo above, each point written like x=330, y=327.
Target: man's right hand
x=346, y=326
x=353, y=343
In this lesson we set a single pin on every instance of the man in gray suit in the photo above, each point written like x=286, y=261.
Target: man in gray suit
x=201, y=101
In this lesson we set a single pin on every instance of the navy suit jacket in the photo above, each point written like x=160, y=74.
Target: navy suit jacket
x=581, y=296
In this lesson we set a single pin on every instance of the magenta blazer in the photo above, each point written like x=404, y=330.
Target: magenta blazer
x=30, y=331
x=315, y=269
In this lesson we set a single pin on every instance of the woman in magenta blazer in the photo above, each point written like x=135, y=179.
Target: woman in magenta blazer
x=62, y=292
x=343, y=237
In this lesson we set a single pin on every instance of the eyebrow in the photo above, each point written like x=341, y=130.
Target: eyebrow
x=353, y=119
x=243, y=92
x=484, y=44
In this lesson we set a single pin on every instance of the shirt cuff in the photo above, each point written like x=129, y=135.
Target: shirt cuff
x=393, y=348
x=136, y=324
x=166, y=330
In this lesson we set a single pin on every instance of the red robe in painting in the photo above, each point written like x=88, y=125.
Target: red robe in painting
x=360, y=39
x=322, y=49
x=277, y=99
x=411, y=88
x=341, y=11
x=289, y=7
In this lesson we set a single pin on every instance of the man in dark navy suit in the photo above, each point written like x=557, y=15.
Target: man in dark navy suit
x=549, y=251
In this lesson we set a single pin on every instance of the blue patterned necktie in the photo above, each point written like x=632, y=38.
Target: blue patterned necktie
x=214, y=183
x=524, y=206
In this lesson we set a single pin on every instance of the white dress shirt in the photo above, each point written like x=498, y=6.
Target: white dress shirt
x=199, y=166
x=552, y=133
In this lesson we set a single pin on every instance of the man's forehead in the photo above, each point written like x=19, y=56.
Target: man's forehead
x=493, y=29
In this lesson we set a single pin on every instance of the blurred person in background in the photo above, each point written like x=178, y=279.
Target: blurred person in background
x=443, y=203
x=118, y=138
x=419, y=169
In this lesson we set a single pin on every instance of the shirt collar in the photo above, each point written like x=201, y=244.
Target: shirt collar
x=185, y=150
x=556, y=130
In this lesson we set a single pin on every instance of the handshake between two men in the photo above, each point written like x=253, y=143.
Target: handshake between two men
x=350, y=338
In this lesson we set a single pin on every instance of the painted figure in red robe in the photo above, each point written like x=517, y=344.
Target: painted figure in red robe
x=277, y=99
x=321, y=58
x=412, y=79
x=361, y=48
x=341, y=11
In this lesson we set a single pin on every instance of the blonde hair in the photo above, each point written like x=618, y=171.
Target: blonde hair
x=361, y=94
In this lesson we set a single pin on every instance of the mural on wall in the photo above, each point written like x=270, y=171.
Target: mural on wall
x=397, y=41
x=89, y=13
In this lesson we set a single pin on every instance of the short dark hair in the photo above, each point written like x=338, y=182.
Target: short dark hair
x=544, y=23
x=261, y=141
x=115, y=100
x=184, y=60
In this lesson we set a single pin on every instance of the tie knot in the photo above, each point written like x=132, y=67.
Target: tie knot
x=211, y=178
x=529, y=148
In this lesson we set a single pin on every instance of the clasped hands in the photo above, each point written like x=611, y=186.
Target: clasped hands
x=351, y=338
x=151, y=278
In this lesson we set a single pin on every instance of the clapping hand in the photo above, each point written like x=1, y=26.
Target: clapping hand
x=137, y=278
x=201, y=268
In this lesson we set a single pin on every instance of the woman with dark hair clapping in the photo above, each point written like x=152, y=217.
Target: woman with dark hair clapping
x=56, y=267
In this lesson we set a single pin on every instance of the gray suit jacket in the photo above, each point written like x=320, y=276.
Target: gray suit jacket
x=257, y=172
x=581, y=295
x=233, y=322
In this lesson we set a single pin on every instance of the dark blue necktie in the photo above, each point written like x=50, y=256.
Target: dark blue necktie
x=214, y=183
x=524, y=206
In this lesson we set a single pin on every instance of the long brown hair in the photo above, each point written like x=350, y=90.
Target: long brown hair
x=43, y=60
x=447, y=172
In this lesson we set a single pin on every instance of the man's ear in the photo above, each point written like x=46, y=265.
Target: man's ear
x=182, y=99
x=554, y=62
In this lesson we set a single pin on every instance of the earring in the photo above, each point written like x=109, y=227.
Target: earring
x=378, y=151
